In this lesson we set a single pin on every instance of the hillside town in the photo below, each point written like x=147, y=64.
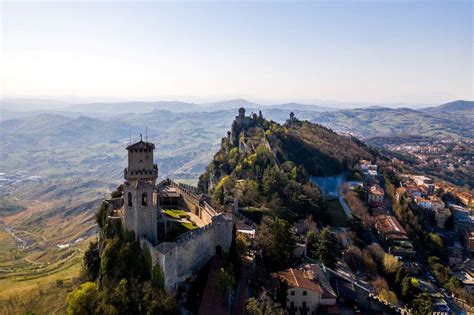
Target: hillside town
x=451, y=160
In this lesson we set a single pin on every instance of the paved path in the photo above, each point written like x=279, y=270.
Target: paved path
x=212, y=300
x=343, y=204
x=243, y=285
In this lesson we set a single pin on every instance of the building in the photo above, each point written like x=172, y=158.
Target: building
x=393, y=235
x=241, y=124
x=455, y=255
x=292, y=121
x=466, y=276
x=308, y=289
x=375, y=194
x=174, y=222
x=423, y=203
x=441, y=216
x=466, y=199
x=470, y=241
x=421, y=180
x=436, y=203
x=463, y=218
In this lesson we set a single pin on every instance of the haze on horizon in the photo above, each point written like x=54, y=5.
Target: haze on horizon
x=347, y=51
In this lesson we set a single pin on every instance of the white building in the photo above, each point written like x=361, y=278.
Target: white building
x=308, y=289
x=375, y=194
x=441, y=215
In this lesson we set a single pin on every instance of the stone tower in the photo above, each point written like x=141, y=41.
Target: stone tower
x=141, y=208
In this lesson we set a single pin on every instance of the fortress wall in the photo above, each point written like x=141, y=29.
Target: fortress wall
x=183, y=258
x=206, y=213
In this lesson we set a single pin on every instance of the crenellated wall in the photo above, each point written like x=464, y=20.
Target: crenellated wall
x=183, y=258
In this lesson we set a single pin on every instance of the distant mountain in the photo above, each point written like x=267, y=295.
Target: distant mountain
x=56, y=130
x=180, y=107
x=380, y=121
x=228, y=104
x=302, y=107
x=455, y=106
x=133, y=107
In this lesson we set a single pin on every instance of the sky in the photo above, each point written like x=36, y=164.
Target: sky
x=418, y=52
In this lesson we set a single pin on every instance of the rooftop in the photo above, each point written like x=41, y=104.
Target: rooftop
x=141, y=145
x=298, y=279
x=388, y=224
x=375, y=190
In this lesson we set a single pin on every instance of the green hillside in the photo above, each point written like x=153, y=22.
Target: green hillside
x=270, y=166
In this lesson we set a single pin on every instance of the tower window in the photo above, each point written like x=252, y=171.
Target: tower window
x=129, y=199
x=144, y=199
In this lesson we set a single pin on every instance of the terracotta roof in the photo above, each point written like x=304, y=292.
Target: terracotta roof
x=298, y=279
x=141, y=145
x=401, y=190
x=374, y=190
x=388, y=224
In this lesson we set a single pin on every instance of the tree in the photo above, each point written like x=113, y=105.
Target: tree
x=262, y=306
x=250, y=193
x=353, y=257
x=422, y=304
x=391, y=264
x=402, y=273
x=410, y=288
x=225, y=280
x=91, y=261
x=242, y=245
x=84, y=300
x=388, y=296
x=327, y=247
x=379, y=283
x=276, y=241
x=358, y=208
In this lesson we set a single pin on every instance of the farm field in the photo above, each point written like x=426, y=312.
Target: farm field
x=39, y=266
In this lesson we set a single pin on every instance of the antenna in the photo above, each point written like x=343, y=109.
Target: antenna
x=146, y=134
x=129, y=137
x=141, y=137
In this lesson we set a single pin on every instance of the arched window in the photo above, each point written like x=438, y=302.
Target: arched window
x=129, y=199
x=144, y=199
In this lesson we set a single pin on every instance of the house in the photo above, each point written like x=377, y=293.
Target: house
x=413, y=190
x=470, y=241
x=393, y=235
x=465, y=198
x=423, y=203
x=441, y=215
x=466, y=276
x=455, y=255
x=308, y=289
x=375, y=194
x=421, y=180
x=246, y=230
x=299, y=250
x=436, y=202
x=463, y=219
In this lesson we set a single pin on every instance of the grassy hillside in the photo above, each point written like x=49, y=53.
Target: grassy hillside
x=42, y=247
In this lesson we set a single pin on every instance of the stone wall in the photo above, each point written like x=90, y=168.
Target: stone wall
x=183, y=258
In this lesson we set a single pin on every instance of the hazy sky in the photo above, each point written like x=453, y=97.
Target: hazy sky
x=352, y=51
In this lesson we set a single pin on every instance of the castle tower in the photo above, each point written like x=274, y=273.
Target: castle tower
x=141, y=209
x=241, y=112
